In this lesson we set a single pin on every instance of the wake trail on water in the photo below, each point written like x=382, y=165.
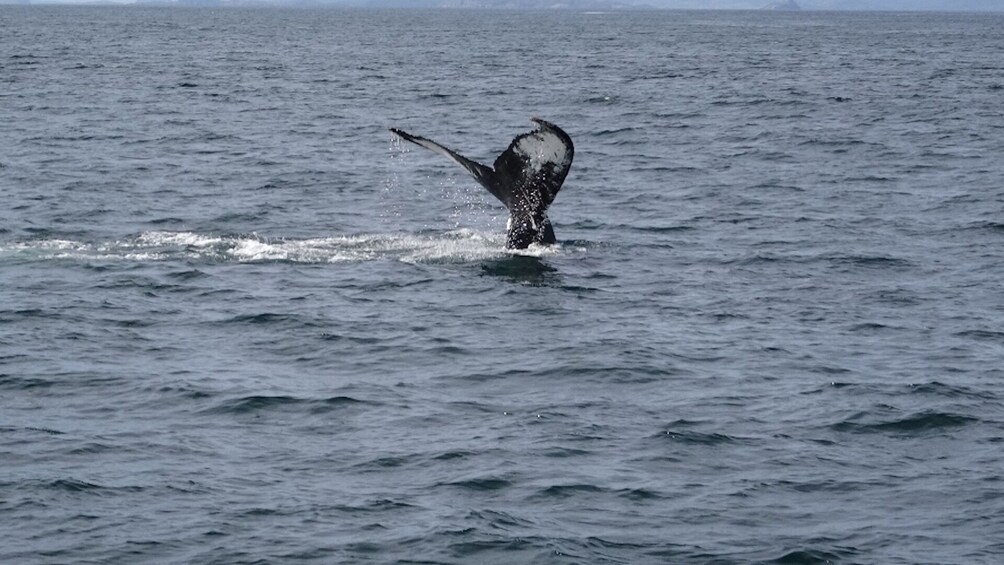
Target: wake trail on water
x=458, y=246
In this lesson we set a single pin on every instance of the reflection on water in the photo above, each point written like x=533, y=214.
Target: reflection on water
x=522, y=269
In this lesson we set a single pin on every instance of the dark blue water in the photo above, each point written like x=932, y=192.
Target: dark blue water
x=240, y=323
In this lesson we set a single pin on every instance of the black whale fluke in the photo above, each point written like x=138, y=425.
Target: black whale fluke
x=525, y=177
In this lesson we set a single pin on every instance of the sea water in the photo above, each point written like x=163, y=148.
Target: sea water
x=240, y=322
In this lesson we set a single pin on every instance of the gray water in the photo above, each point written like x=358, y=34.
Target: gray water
x=241, y=323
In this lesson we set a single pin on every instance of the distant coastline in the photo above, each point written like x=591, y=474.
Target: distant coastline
x=783, y=6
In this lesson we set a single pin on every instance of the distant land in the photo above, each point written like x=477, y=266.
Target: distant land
x=591, y=5
x=784, y=6
x=513, y=4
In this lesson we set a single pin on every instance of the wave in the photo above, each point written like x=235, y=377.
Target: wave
x=458, y=246
x=258, y=404
x=910, y=424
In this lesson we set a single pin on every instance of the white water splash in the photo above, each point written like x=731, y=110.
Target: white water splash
x=457, y=246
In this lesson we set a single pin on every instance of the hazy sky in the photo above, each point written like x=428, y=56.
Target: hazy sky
x=988, y=5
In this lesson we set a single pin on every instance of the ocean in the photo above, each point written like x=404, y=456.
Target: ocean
x=242, y=322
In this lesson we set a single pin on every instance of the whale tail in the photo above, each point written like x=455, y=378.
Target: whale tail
x=526, y=177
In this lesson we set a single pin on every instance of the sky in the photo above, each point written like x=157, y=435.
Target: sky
x=944, y=5
x=987, y=5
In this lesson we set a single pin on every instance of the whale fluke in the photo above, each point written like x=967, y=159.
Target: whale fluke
x=526, y=177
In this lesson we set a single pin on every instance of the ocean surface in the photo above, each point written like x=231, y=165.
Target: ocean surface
x=240, y=322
